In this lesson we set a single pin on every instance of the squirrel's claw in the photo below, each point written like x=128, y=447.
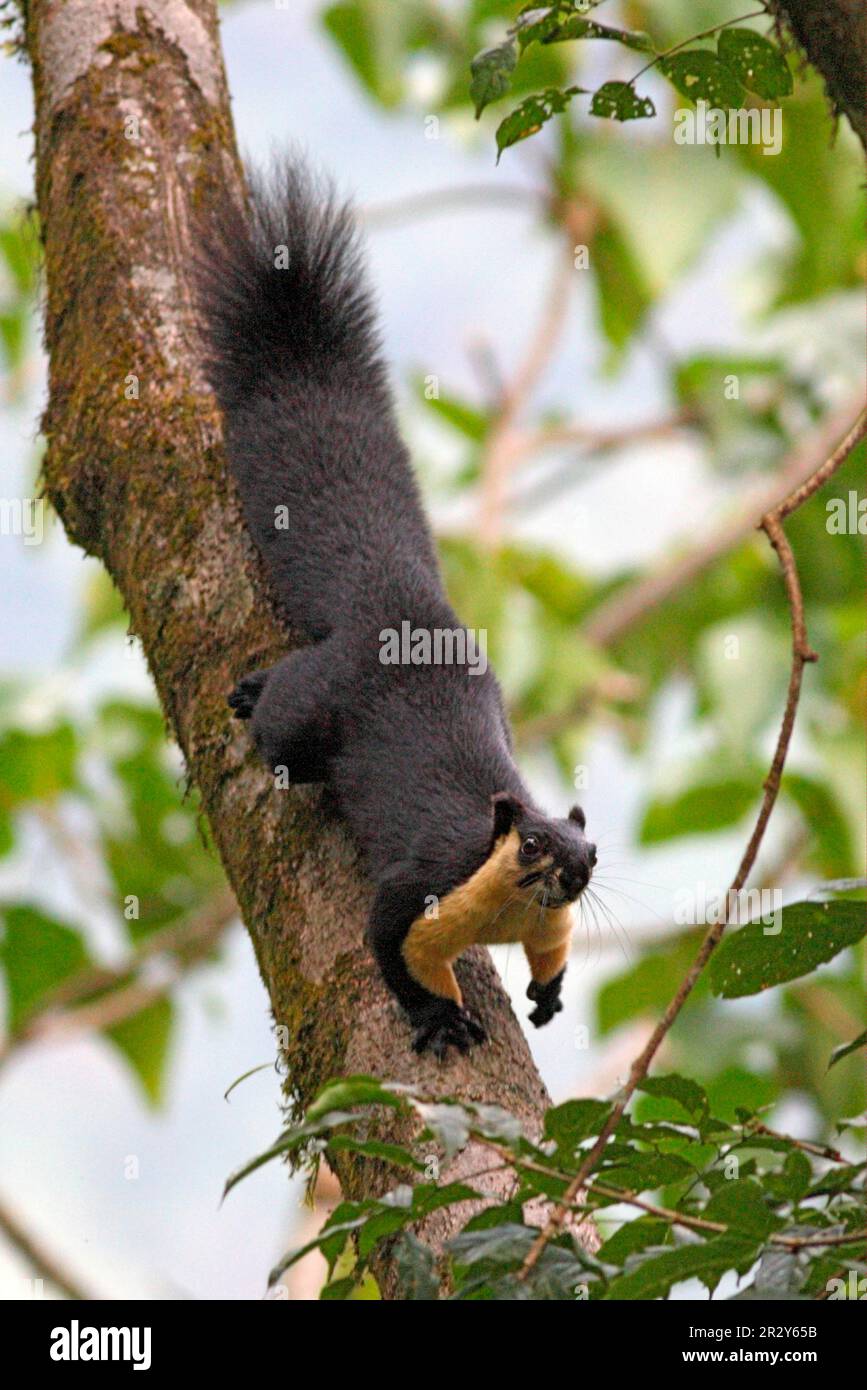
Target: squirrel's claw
x=447, y=1026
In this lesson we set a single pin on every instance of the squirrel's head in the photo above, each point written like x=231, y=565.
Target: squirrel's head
x=553, y=853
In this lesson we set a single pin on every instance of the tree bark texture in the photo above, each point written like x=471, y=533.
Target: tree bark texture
x=142, y=484
x=833, y=34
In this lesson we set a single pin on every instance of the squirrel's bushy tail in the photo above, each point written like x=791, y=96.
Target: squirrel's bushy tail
x=281, y=288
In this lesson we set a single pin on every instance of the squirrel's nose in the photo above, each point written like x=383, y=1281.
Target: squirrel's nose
x=591, y=855
x=573, y=880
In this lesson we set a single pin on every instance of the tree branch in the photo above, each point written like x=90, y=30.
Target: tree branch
x=833, y=34
x=505, y=444
x=802, y=653
x=124, y=991
x=34, y=1252
x=629, y=605
x=133, y=140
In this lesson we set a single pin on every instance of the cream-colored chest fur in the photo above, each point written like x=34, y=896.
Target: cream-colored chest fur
x=490, y=908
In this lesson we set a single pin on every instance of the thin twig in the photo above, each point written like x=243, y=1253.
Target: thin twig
x=802, y=653
x=434, y=202
x=819, y=1150
x=629, y=605
x=594, y=446
x=63, y=1013
x=705, y=34
x=806, y=1242
x=45, y=1264
x=633, y=1199
x=503, y=447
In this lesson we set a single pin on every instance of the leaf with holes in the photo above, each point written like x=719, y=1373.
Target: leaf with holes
x=756, y=62
x=577, y=27
x=700, y=76
x=618, y=101
x=531, y=115
x=752, y=960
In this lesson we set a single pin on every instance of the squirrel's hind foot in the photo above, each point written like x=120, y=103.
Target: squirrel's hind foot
x=244, y=697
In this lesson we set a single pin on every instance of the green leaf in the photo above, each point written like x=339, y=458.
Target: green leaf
x=840, y=1179
x=741, y=1205
x=667, y=214
x=289, y=1140
x=700, y=810
x=618, y=101
x=623, y=294
x=38, y=953
x=492, y=74
x=535, y=24
x=144, y=1040
x=338, y=1290
x=707, y=1261
x=810, y=934
x=644, y=1172
x=501, y=1245
x=376, y=1148
x=377, y=38
x=473, y=424
x=700, y=76
x=345, y=1218
x=819, y=182
x=416, y=1269
x=531, y=115
x=576, y=26
x=36, y=767
x=7, y=832
x=825, y=820
x=575, y=1120
x=756, y=62
x=688, y=1094
x=646, y=987
x=507, y=1213
x=632, y=1238
x=846, y=1048
x=352, y=1090
x=792, y=1182
x=19, y=251
x=382, y=1224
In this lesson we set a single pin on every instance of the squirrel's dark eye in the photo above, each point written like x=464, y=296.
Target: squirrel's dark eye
x=531, y=848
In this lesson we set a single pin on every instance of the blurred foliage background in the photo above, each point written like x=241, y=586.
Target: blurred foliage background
x=111, y=893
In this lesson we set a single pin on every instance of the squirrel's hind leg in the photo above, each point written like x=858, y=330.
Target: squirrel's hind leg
x=423, y=982
x=291, y=712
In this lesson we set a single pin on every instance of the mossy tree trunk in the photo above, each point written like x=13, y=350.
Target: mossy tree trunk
x=133, y=138
x=833, y=34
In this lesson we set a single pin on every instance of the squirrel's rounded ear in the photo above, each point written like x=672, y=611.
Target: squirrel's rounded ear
x=505, y=808
x=578, y=816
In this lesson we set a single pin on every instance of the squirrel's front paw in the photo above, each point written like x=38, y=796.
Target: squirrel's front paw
x=443, y=1024
x=546, y=998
